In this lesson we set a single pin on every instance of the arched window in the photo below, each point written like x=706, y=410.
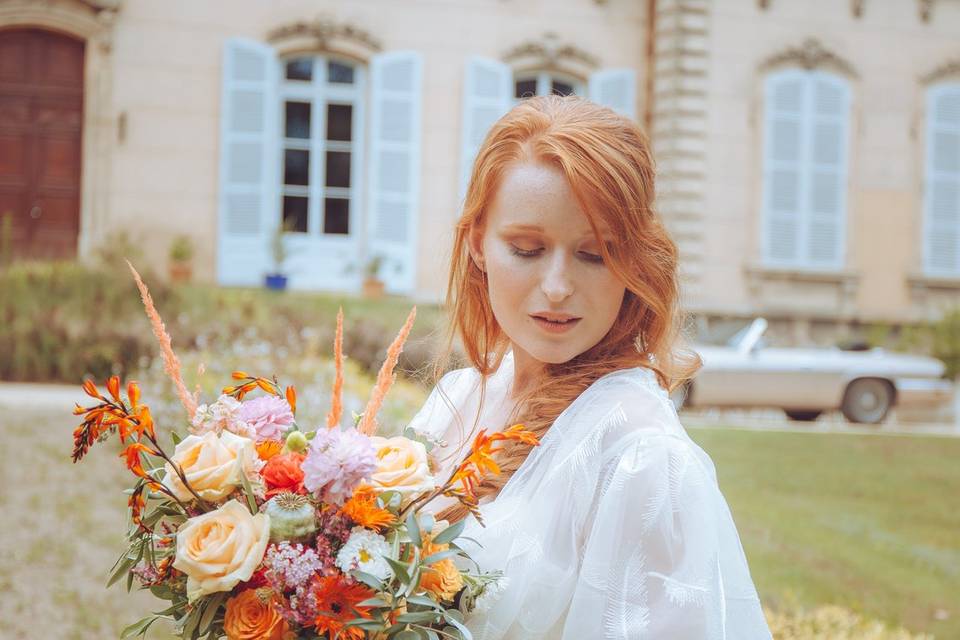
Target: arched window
x=543, y=83
x=320, y=97
x=804, y=210
x=941, y=210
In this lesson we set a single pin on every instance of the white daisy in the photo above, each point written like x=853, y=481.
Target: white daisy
x=367, y=551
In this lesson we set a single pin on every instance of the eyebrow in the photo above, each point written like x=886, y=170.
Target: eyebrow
x=536, y=227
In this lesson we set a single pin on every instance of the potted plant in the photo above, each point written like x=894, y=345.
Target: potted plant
x=372, y=284
x=181, y=259
x=277, y=279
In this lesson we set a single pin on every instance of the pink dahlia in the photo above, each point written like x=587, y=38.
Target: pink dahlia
x=269, y=416
x=337, y=461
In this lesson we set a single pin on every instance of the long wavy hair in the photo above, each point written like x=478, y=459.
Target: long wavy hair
x=607, y=162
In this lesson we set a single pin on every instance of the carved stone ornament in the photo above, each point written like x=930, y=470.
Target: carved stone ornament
x=549, y=53
x=810, y=55
x=323, y=32
x=946, y=71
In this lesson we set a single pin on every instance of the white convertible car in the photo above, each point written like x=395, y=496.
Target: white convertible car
x=863, y=385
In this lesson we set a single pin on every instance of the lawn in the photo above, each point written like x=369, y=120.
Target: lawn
x=864, y=522
x=867, y=522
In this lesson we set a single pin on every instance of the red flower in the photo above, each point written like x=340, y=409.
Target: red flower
x=283, y=473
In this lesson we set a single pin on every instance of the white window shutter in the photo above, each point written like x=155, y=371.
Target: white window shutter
x=782, y=217
x=615, y=88
x=248, y=207
x=941, y=228
x=487, y=95
x=393, y=197
x=827, y=133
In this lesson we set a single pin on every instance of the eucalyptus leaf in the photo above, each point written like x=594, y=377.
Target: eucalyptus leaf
x=400, y=569
x=139, y=627
x=210, y=612
x=440, y=555
x=424, y=601
x=413, y=529
x=370, y=580
x=247, y=490
x=419, y=616
x=450, y=532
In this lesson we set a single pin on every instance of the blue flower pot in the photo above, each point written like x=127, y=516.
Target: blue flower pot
x=276, y=281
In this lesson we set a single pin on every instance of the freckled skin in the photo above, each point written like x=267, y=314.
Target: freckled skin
x=561, y=272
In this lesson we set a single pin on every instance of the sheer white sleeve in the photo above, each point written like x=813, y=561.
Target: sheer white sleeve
x=615, y=528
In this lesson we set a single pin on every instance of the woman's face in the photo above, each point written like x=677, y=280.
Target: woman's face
x=543, y=261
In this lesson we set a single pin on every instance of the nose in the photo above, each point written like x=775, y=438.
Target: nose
x=557, y=283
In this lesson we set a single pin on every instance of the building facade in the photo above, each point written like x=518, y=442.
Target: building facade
x=808, y=151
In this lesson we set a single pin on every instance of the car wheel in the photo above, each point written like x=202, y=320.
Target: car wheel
x=801, y=415
x=867, y=400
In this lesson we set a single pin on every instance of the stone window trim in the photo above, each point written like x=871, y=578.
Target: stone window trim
x=756, y=274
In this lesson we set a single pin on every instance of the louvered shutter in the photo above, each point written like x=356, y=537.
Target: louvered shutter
x=783, y=167
x=487, y=95
x=249, y=162
x=942, y=193
x=827, y=124
x=615, y=88
x=394, y=184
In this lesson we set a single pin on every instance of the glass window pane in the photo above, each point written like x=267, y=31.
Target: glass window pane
x=295, y=213
x=336, y=215
x=339, y=72
x=297, y=120
x=339, y=118
x=296, y=166
x=562, y=88
x=338, y=169
x=300, y=69
x=525, y=88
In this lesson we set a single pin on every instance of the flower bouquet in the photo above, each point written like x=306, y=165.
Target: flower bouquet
x=251, y=527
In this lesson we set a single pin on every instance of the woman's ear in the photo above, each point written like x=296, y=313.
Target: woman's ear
x=475, y=245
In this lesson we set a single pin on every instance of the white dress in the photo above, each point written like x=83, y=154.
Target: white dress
x=614, y=527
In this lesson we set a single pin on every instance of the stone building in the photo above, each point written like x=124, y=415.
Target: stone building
x=808, y=150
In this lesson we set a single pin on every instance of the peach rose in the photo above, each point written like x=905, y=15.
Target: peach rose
x=212, y=464
x=221, y=548
x=401, y=466
x=251, y=615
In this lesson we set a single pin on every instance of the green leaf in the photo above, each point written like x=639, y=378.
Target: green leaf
x=450, y=532
x=139, y=627
x=427, y=522
x=375, y=601
x=251, y=501
x=123, y=568
x=407, y=634
x=413, y=529
x=193, y=619
x=370, y=580
x=449, y=617
x=210, y=612
x=424, y=601
x=176, y=438
x=440, y=555
x=399, y=569
x=419, y=616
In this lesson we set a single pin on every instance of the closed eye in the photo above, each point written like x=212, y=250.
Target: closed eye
x=523, y=253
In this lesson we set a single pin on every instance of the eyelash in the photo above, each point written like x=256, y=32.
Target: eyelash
x=532, y=253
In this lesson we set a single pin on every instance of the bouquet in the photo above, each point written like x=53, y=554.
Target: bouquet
x=253, y=527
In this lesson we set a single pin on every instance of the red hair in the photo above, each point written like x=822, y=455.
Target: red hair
x=607, y=162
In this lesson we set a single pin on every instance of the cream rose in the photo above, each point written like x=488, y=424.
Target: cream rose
x=401, y=466
x=212, y=464
x=219, y=549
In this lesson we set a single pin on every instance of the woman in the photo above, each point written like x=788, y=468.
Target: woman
x=563, y=288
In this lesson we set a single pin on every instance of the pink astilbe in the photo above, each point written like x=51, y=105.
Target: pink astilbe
x=368, y=424
x=336, y=402
x=171, y=364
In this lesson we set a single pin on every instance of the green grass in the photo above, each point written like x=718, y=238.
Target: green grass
x=867, y=522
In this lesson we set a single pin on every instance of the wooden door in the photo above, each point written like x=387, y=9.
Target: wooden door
x=41, y=116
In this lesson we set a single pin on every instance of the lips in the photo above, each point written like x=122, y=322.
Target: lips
x=555, y=322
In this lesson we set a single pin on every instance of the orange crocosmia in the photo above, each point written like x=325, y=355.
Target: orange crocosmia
x=337, y=599
x=239, y=375
x=292, y=399
x=113, y=386
x=268, y=449
x=91, y=389
x=362, y=509
x=479, y=462
x=134, y=462
x=264, y=384
x=133, y=392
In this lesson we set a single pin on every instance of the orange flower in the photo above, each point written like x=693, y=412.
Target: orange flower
x=337, y=600
x=268, y=448
x=480, y=461
x=362, y=509
x=252, y=615
x=283, y=473
x=134, y=462
x=442, y=578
